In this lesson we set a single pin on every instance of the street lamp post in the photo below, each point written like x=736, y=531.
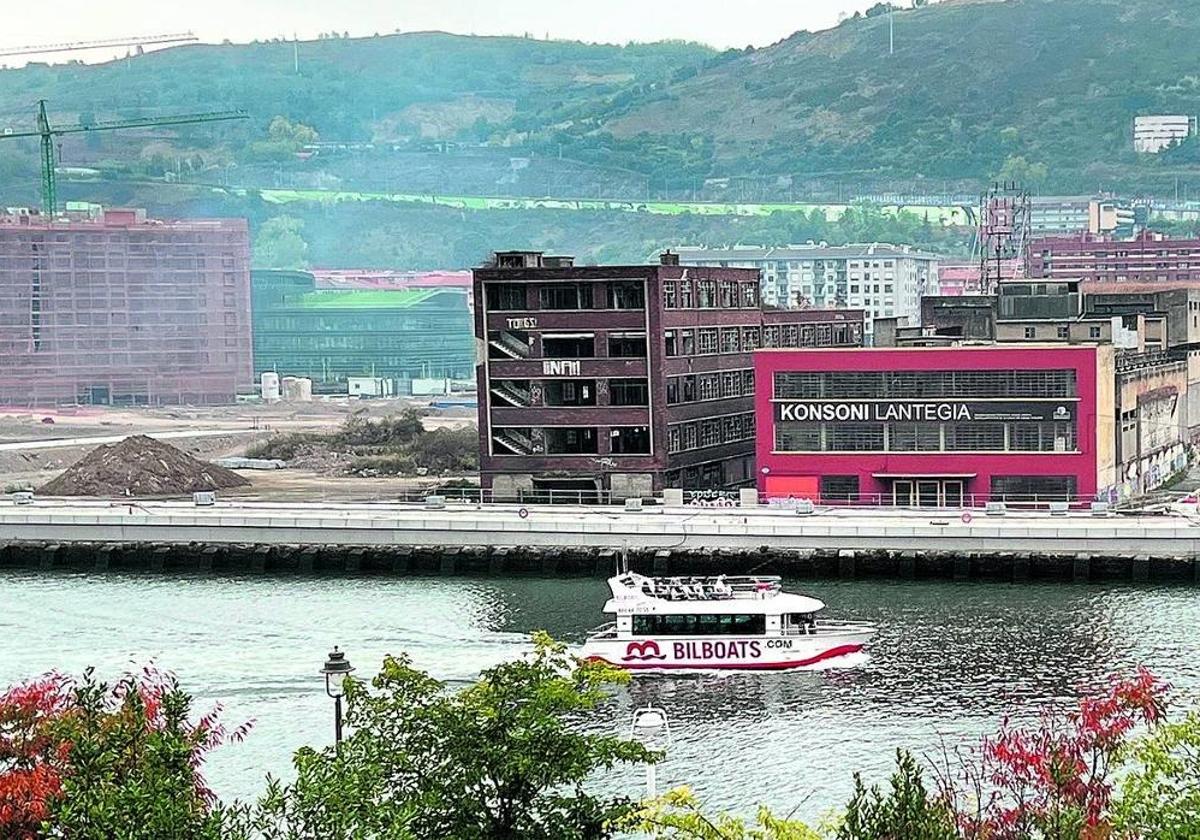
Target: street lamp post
x=337, y=668
x=651, y=727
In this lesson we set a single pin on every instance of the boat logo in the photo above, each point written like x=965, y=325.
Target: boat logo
x=642, y=651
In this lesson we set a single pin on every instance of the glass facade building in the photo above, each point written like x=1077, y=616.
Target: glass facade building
x=330, y=335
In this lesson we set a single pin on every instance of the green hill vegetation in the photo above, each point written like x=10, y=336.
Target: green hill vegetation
x=1044, y=91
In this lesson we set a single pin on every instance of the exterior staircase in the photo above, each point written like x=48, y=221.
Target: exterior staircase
x=511, y=346
x=514, y=440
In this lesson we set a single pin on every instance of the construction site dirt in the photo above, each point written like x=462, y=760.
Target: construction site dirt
x=33, y=451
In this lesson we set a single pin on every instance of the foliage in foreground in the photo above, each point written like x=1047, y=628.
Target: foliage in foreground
x=84, y=759
x=502, y=758
x=510, y=755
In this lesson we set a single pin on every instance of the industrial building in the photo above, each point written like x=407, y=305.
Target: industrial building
x=625, y=380
x=1152, y=329
x=330, y=335
x=108, y=307
x=883, y=280
x=933, y=427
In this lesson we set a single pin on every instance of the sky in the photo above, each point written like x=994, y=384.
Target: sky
x=721, y=23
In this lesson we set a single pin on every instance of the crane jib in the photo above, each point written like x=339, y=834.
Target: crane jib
x=46, y=131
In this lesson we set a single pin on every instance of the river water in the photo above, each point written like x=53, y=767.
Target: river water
x=950, y=661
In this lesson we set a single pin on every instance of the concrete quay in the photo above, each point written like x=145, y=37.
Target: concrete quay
x=495, y=539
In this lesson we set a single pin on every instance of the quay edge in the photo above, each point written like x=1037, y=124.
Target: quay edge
x=468, y=539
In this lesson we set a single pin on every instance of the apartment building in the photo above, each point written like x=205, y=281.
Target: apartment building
x=882, y=280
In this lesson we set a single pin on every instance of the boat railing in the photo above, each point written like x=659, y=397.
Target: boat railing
x=719, y=588
x=608, y=630
x=823, y=627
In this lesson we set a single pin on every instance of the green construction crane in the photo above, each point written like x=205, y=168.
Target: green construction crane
x=48, y=132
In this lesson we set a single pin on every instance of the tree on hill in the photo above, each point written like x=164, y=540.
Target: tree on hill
x=280, y=244
x=1021, y=171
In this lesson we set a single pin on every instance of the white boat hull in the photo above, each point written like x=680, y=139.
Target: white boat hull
x=707, y=653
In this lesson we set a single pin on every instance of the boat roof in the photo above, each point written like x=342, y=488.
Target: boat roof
x=634, y=593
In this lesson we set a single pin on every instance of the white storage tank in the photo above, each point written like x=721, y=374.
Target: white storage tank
x=270, y=387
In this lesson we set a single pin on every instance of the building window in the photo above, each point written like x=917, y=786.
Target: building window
x=1093, y=332
x=630, y=440
x=506, y=296
x=565, y=296
x=728, y=294
x=685, y=294
x=626, y=295
x=629, y=392
x=689, y=389
x=688, y=338
x=915, y=437
x=750, y=338
x=839, y=488
x=925, y=384
x=731, y=384
x=854, y=437
x=570, y=441
x=975, y=437
x=670, y=295
x=748, y=382
x=1064, y=332
x=707, y=342
x=556, y=392
x=674, y=439
x=708, y=294
x=627, y=346
x=730, y=340
x=689, y=436
x=710, y=433
x=568, y=347
x=1033, y=488
x=673, y=390
x=749, y=295
x=1031, y=332
x=710, y=386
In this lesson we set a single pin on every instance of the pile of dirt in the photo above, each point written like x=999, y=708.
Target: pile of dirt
x=140, y=466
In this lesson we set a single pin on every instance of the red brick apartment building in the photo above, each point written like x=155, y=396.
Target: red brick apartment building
x=1150, y=257
x=117, y=309
x=624, y=380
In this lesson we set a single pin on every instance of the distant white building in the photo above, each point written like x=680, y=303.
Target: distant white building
x=1155, y=132
x=883, y=280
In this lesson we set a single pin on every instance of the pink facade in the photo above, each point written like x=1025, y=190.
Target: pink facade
x=1060, y=436
x=117, y=309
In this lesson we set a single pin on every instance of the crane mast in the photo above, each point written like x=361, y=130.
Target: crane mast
x=47, y=132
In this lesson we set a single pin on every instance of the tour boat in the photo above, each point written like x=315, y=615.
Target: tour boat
x=717, y=623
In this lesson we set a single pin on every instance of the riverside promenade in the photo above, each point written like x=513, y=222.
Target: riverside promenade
x=470, y=538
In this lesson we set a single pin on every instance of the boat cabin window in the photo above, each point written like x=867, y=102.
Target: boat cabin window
x=699, y=625
x=801, y=622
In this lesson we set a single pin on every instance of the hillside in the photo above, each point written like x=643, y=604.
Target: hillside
x=386, y=88
x=970, y=84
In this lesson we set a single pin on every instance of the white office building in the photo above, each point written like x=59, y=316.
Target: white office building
x=1155, y=132
x=883, y=280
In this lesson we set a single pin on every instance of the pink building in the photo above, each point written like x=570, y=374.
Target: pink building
x=118, y=309
x=936, y=427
